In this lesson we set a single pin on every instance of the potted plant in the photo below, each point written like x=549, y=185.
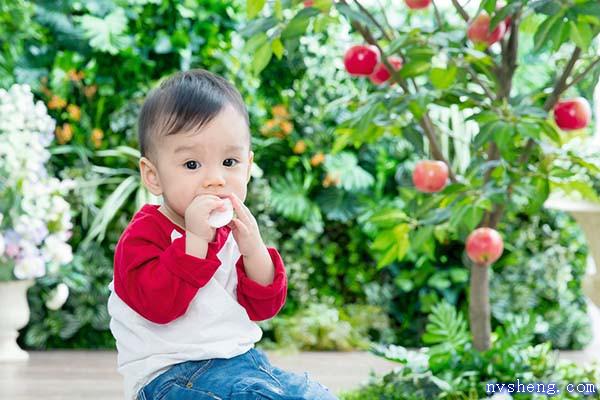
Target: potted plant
x=35, y=220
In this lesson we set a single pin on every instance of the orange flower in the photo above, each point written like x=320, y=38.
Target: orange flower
x=56, y=103
x=74, y=112
x=90, y=91
x=317, y=159
x=97, y=136
x=75, y=76
x=331, y=180
x=268, y=127
x=286, y=127
x=64, y=133
x=299, y=147
x=279, y=111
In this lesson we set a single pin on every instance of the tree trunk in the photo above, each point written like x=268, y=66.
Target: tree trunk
x=479, y=307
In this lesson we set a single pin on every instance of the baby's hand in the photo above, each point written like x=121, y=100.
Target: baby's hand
x=197, y=213
x=245, y=229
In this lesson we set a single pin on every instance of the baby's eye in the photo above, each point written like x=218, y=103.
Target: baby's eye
x=191, y=165
x=230, y=159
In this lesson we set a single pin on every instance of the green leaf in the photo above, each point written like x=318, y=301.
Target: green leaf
x=459, y=275
x=486, y=133
x=589, y=8
x=255, y=42
x=345, y=166
x=402, y=240
x=111, y=207
x=258, y=26
x=581, y=34
x=253, y=7
x=538, y=194
x=262, y=57
x=551, y=132
x=383, y=241
x=488, y=5
x=446, y=326
x=289, y=197
x=107, y=34
x=297, y=26
x=352, y=15
x=400, y=244
x=278, y=48
x=542, y=34
x=414, y=68
x=504, y=12
x=503, y=134
x=443, y=78
x=439, y=281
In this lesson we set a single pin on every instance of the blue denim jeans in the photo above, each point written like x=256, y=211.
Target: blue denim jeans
x=249, y=376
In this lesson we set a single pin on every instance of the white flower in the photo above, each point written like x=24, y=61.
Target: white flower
x=39, y=223
x=58, y=296
x=57, y=251
x=30, y=267
x=2, y=245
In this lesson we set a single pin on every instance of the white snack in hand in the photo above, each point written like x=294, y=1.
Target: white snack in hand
x=218, y=218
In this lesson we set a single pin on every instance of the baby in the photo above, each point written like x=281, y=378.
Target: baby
x=186, y=295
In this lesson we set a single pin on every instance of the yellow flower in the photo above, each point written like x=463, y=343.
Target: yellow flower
x=286, y=127
x=279, y=111
x=56, y=103
x=64, y=133
x=97, y=136
x=299, y=147
x=75, y=76
x=331, y=180
x=268, y=127
x=317, y=159
x=74, y=112
x=90, y=91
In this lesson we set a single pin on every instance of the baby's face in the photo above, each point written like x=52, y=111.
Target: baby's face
x=215, y=160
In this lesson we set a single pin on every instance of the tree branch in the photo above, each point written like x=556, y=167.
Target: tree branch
x=372, y=18
x=438, y=17
x=486, y=89
x=385, y=18
x=561, y=84
x=460, y=10
x=582, y=75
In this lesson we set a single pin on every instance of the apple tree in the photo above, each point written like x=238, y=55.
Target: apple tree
x=441, y=53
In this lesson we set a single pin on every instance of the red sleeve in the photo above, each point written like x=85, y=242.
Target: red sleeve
x=156, y=278
x=262, y=302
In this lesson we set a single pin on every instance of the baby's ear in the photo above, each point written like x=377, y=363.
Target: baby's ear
x=150, y=177
x=250, y=161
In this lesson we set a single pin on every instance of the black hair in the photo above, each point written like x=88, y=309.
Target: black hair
x=185, y=101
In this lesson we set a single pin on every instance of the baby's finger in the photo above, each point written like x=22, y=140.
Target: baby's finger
x=239, y=208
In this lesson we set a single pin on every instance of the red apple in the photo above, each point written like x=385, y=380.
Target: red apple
x=309, y=3
x=430, y=176
x=417, y=4
x=484, y=246
x=572, y=114
x=381, y=73
x=360, y=60
x=479, y=30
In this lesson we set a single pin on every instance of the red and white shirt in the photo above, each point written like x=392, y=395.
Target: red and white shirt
x=168, y=307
